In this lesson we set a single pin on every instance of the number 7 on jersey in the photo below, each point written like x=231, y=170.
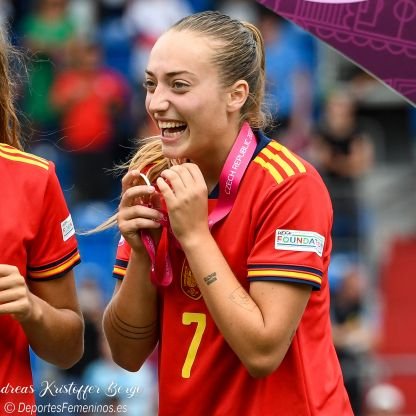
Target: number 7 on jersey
x=201, y=322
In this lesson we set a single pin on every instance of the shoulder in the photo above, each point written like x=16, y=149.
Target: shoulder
x=18, y=160
x=279, y=164
x=26, y=171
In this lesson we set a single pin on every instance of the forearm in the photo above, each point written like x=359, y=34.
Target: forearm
x=55, y=335
x=131, y=318
x=235, y=312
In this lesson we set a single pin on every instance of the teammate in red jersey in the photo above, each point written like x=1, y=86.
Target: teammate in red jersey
x=232, y=284
x=38, y=302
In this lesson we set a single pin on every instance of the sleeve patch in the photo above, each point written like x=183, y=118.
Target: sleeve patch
x=296, y=240
x=67, y=227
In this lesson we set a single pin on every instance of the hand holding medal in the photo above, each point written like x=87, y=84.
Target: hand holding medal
x=138, y=209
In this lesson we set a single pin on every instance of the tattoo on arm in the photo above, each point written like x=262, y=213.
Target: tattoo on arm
x=131, y=331
x=211, y=278
x=241, y=298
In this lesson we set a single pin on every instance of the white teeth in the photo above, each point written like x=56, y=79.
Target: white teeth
x=169, y=124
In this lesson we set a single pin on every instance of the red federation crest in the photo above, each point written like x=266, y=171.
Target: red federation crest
x=188, y=283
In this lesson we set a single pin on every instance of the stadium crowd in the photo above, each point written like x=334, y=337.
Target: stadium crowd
x=80, y=77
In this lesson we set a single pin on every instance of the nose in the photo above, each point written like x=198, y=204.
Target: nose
x=157, y=101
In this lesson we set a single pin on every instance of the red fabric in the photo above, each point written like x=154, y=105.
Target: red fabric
x=32, y=238
x=309, y=380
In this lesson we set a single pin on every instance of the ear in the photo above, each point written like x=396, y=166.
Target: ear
x=237, y=95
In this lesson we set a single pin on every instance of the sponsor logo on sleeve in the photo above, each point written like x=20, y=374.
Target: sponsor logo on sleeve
x=67, y=227
x=296, y=240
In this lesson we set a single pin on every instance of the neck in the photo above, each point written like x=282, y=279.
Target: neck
x=211, y=166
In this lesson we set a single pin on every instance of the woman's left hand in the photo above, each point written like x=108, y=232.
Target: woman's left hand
x=186, y=196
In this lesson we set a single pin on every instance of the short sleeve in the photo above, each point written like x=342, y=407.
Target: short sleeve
x=53, y=250
x=122, y=259
x=293, y=239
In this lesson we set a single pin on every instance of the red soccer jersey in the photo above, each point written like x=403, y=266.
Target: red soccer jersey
x=278, y=230
x=37, y=236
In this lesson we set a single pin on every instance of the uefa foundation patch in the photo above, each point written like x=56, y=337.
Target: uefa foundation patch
x=297, y=240
x=67, y=227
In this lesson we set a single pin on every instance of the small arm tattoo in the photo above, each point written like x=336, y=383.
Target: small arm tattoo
x=241, y=298
x=211, y=278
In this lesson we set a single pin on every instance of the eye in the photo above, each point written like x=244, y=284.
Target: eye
x=180, y=86
x=149, y=85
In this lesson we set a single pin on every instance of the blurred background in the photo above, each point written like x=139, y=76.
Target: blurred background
x=81, y=105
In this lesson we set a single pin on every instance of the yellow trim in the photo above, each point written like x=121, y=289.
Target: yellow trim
x=289, y=171
x=276, y=175
x=24, y=160
x=278, y=273
x=58, y=269
x=11, y=149
x=120, y=271
x=289, y=155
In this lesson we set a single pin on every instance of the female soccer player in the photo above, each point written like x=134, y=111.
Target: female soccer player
x=38, y=302
x=224, y=255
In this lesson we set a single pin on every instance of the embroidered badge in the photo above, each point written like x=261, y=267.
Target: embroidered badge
x=296, y=240
x=67, y=227
x=188, y=282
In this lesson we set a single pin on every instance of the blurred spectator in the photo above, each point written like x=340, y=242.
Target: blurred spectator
x=135, y=390
x=246, y=10
x=92, y=307
x=48, y=33
x=289, y=74
x=145, y=21
x=201, y=5
x=114, y=37
x=6, y=10
x=93, y=104
x=343, y=152
x=353, y=331
x=384, y=399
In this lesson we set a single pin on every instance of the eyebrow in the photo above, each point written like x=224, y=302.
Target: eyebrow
x=172, y=73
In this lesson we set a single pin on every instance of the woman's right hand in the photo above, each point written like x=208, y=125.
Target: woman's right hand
x=136, y=210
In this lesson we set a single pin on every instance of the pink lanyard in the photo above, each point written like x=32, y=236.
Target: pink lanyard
x=231, y=175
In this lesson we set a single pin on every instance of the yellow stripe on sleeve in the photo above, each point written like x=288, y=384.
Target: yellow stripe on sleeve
x=119, y=271
x=24, y=160
x=266, y=165
x=285, y=166
x=51, y=272
x=284, y=273
x=289, y=155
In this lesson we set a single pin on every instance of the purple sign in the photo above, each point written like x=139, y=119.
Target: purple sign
x=336, y=1
x=379, y=35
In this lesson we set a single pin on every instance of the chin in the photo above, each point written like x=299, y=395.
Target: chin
x=173, y=152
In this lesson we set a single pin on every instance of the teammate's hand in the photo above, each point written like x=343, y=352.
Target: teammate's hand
x=138, y=210
x=186, y=196
x=15, y=297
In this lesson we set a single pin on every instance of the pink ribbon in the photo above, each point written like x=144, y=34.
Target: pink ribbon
x=231, y=175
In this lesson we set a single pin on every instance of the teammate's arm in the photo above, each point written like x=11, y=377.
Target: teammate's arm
x=48, y=312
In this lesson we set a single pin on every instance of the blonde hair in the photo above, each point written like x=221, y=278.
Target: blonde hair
x=149, y=159
x=9, y=123
x=238, y=55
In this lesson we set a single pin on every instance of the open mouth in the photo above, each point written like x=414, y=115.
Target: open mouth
x=172, y=128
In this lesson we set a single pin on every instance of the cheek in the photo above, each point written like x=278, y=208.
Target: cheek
x=147, y=103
